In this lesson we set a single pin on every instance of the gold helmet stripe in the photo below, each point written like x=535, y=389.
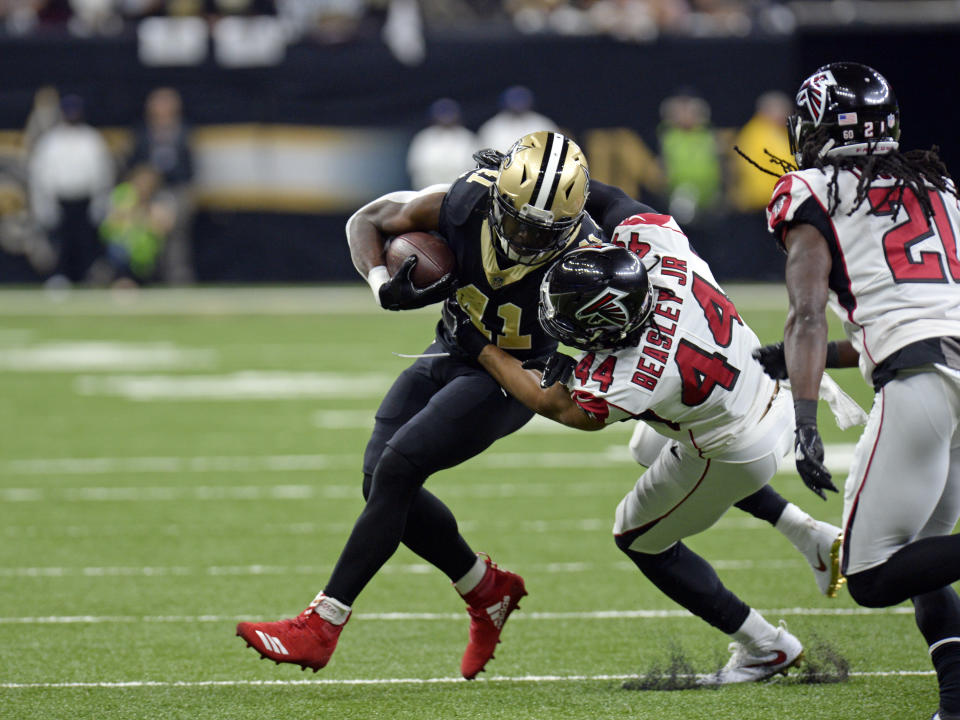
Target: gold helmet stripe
x=555, y=153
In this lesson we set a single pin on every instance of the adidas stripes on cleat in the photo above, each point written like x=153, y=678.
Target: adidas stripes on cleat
x=489, y=605
x=307, y=640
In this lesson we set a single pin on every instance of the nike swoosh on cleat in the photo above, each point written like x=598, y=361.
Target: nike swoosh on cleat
x=779, y=658
x=822, y=566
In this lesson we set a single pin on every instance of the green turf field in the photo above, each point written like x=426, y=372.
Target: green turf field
x=176, y=461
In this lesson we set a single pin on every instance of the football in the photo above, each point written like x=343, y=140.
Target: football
x=434, y=257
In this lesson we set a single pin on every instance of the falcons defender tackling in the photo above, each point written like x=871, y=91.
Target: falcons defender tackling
x=875, y=231
x=666, y=346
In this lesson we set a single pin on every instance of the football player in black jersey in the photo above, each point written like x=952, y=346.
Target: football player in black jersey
x=505, y=222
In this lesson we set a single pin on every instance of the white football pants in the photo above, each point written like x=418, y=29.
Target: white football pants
x=683, y=493
x=904, y=482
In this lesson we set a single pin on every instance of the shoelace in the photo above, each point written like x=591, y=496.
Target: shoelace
x=312, y=606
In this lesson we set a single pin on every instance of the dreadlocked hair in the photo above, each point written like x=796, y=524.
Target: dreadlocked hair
x=915, y=170
x=784, y=165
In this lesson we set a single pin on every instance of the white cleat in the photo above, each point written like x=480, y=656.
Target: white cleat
x=823, y=554
x=752, y=664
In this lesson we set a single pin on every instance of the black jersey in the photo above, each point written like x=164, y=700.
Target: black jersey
x=501, y=297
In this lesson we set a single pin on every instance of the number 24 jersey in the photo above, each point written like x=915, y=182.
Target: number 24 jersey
x=691, y=376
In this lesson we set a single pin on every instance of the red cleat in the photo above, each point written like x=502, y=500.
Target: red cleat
x=489, y=605
x=307, y=640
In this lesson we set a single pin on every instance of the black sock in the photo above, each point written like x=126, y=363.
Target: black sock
x=765, y=504
x=689, y=580
x=938, y=617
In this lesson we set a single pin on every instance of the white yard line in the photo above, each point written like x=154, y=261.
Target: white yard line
x=363, y=420
x=299, y=492
x=377, y=681
x=113, y=571
x=838, y=457
x=457, y=617
x=208, y=301
x=530, y=525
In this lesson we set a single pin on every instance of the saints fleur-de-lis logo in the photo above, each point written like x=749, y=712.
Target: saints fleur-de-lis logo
x=813, y=94
x=512, y=153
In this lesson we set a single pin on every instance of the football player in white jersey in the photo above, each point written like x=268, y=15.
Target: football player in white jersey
x=665, y=346
x=873, y=230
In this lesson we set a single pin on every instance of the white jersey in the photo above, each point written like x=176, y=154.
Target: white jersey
x=894, y=280
x=692, y=376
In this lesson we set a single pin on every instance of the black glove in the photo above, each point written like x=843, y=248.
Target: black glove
x=558, y=369
x=773, y=360
x=488, y=159
x=399, y=293
x=538, y=364
x=470, y=340
x=808, y=450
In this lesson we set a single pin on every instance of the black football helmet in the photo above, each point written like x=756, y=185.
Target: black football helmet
x=856, y=106
x=596, y=298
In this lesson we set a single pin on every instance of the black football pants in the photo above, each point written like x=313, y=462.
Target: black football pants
x=438, y=413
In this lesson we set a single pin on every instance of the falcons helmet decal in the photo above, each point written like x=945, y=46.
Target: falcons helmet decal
x=605, y=309
x=813, y=94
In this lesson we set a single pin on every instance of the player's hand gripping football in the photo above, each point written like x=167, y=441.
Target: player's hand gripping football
x=808, y=449
x=469, y=339
x=773, y=360
x=399, y=292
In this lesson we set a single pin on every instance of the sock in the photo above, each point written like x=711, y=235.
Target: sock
x=473, y=577
x=946, y=660
x=938, y=619
x=755, y=631
x=765, y=504
x=689, y=580
x=795, y=525
x=330, y=609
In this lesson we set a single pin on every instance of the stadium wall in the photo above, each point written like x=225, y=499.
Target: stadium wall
x=285, y=153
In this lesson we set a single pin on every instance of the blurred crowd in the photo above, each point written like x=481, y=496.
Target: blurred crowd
x=82, y=207
x=695, y=171
x=82, y=210
x=334, y=20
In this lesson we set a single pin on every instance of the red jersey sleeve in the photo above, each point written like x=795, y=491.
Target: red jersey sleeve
x=597, y=407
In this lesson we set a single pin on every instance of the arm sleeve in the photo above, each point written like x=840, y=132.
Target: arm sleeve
x=608, y=205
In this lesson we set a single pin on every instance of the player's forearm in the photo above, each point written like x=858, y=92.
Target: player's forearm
x=554, y=402
x=805, y=352
x=805, y=334
x=393, y=214
x=365, y=242
x=523, y=384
